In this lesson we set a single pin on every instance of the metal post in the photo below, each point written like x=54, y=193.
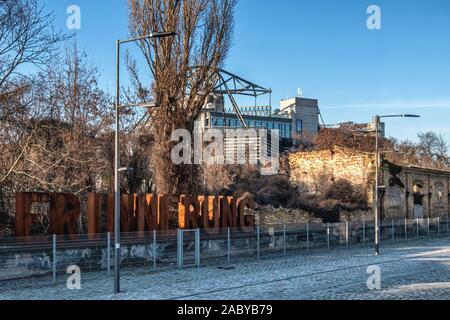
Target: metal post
x=117, y=156
x=428, y=226
x=346, y=234
x=393, y=229
x=417, y=223
x=54, y=258
x=284, y=239
x=364, y=231
x=116, y=179
x=439, y=226
x=377, y=240
x=108, y=253
x=197, y=248
x=328, y=236
x=307, y=236
x=257, y=241
x=229, y=244
x=180, y=248
x=406, y=228
x=154, y=249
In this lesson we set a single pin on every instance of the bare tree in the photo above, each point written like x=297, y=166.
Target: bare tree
x=27, y=44
x=66, y=125
x=204, y=34
x=430, y=151
x=27, y=38
x=434, y=148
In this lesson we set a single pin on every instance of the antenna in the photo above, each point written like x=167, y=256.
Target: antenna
x=299, y=92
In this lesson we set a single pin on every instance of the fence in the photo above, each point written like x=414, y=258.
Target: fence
x=48, y=257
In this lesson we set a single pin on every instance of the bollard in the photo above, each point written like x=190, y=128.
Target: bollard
x=154, y=250
x=108, y=253
x=428, y=226
x=54, y=258
x=284, y=239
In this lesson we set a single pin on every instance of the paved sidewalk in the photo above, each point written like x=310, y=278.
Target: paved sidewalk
x=409, y=270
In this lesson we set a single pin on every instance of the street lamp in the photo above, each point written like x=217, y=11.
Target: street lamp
x=117, y=168
x=377, y=130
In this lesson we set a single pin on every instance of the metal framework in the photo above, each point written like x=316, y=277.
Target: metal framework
x=227, y=83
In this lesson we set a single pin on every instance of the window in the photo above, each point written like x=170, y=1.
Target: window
x=440, y=189
x=299, y=126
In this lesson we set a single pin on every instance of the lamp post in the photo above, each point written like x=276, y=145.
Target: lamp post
x=117, y=168
x=377, y=187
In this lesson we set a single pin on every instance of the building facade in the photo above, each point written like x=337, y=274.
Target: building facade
x=297, y=119
x=304, y=115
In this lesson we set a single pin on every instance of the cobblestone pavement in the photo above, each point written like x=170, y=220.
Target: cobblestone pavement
x=409, y=270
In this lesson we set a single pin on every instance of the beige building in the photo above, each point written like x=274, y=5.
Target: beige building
x=304, y=113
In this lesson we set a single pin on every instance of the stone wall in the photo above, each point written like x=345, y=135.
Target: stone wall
x=413, y=192
x=270, y=216
x=314, y=170
x=410, y=192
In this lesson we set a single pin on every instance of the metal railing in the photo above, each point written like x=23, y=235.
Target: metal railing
x=50, y=256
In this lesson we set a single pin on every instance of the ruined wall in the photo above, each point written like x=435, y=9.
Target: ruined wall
x=413, y=192
x=313, y=170
x=410, y=192
x=270, y=216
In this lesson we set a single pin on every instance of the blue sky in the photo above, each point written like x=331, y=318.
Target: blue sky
x=322, y=46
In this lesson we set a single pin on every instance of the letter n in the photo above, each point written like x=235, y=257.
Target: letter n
x=147, y=212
